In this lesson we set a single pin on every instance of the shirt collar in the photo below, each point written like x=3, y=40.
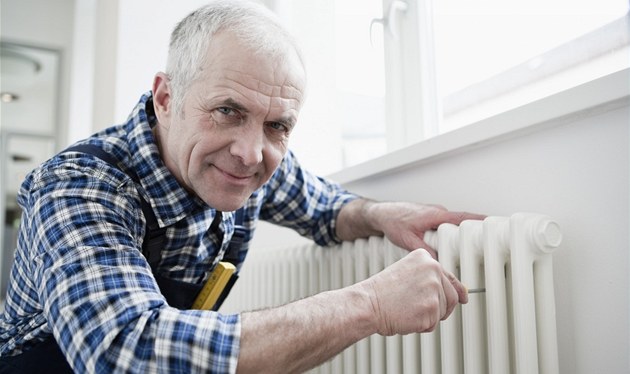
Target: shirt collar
x=169, y=200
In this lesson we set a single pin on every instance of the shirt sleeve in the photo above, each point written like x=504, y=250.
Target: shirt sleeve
x=97, y=291
x=309, y=204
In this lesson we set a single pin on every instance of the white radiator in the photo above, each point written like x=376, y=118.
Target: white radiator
x=509, y=328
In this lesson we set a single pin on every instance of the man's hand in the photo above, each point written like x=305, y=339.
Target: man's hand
x=404, y=224
x=413, y=295
x=409, y=222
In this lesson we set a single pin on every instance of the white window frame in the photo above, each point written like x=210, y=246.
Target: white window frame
x=412, y=103
x=414, y=109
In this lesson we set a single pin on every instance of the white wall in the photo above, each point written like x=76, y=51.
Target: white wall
x=93, y=68
x=144, y=28
x=119, y=46
x=575, y=172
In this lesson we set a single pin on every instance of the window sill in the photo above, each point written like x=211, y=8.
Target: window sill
x=598, y=96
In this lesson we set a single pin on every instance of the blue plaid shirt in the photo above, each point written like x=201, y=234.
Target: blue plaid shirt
x=79, y=273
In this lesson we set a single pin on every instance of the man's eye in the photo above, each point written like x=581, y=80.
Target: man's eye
x=278, y=126
x=226, y=116
x=225, y=110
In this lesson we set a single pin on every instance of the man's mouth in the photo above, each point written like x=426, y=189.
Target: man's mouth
x=237, y=177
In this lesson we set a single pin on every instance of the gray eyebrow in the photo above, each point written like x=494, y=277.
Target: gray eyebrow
x=234, y=104
x=288, y=121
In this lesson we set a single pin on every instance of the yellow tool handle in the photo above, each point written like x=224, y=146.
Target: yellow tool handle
x=213, y=288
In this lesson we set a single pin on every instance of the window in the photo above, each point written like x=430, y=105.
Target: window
x=493, y=55
x=384, y=74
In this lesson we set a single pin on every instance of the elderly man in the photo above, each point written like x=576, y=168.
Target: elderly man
x=120, y=231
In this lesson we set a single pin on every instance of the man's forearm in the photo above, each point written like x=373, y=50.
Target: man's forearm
x=355, y=220
x=303, y=334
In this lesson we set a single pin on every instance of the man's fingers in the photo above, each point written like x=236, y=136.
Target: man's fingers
x=451, y=295
x=458, y=217
x=462, y=292
x=423, y=245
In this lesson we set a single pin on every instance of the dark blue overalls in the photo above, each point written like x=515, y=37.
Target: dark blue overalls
x=46, y=357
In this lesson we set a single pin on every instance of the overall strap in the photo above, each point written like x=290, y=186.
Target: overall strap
x=155, y=236
x=236, y=243
x=232, y=254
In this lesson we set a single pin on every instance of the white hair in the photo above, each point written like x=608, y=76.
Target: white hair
x=255, y=25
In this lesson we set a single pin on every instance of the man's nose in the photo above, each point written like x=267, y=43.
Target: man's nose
x=248, y=145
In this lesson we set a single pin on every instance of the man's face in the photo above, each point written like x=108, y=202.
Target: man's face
x=235, y=123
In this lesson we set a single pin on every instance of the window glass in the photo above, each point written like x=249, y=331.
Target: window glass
x=360, y=80
x=342, y=122
x=475, y=41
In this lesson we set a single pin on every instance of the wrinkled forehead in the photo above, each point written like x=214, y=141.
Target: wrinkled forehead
x=274, y=72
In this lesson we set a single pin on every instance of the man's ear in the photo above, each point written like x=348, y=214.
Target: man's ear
x=162, y=98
